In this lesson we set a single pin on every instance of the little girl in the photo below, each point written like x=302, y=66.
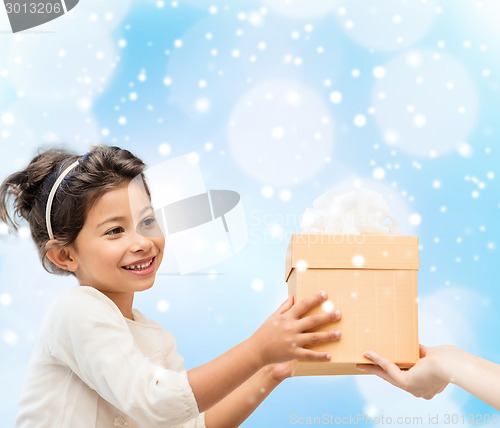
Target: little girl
x=98, y=361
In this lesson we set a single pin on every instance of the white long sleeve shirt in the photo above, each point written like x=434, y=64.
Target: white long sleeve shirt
x=92, y=367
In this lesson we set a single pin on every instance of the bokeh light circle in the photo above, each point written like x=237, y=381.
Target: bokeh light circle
x=386, y=25
x=302, y=9
x=429, y=104
x=280, y=133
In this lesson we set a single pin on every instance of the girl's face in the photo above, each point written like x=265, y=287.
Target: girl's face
x=120, y=246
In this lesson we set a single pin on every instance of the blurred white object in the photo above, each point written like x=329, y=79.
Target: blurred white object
x=352, y=212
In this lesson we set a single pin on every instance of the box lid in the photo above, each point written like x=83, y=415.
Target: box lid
x=363, y=251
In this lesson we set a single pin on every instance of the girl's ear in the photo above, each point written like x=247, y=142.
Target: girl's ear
x=60, y=256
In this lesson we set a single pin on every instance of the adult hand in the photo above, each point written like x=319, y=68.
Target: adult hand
x=425, y=379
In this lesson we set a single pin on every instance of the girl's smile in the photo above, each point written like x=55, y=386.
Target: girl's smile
x=141, y=267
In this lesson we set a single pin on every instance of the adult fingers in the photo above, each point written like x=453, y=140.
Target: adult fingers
x=318, y=337
x=393, y=371
x=300, y=308
x=379, y=371
x=423, y=351
x=312, y=321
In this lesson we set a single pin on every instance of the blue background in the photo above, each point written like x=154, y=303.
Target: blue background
x=400, y=97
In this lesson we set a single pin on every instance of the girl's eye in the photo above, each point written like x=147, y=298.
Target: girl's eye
x=115, y=231
x=149, y=222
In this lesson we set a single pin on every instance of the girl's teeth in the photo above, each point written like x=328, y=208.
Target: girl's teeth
x=139, y=267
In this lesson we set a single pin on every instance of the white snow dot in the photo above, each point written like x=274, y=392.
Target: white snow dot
x=267, y=191
x=391, y=137
x=355, y=73
x=255, y=19
x=415, y=219
x=167, y=81
x=328, y=307
x=213, y=10
x=122, y=120
x=5, y=299
x=164, y=149
x=436, y=184
x=8, y=118
x=209, y=146
x=235, y=53
x=276, y=231
x=142, y=77
x=4, y=229
x=379, y=173
x=193, y=158
x=419, y=120
x=379, y=72
x=360, y=120
x=202, y=105
x=257, y=284
x=133, y=96
x=358, y=260
x=178, y=43
x=491, y=175
x=465, y=150
x=10, y=337
x=202, y=83
x=285, y=195
x=163, y=305
x=301, y=265
x=160, y=4
x=278, y=132
x=336, y=97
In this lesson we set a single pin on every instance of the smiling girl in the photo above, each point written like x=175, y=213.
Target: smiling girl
x=98, y=361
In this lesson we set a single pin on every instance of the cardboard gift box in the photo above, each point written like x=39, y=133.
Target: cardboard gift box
x=372, y=280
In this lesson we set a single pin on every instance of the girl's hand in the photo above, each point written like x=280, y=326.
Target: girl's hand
x=280, y=371
x=284, y=335
x=425, y=379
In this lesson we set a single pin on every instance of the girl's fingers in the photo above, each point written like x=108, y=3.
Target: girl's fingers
x=318, y=337
x=312, y=321
x=307, y=354
x=300, y=308
x=393, y=372
x=285, y=306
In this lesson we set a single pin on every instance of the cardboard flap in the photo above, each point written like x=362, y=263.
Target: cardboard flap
x=364, y=251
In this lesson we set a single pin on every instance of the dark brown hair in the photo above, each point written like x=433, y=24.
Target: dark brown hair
x=99, y=171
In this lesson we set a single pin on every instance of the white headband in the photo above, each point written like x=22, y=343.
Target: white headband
x=51, y=196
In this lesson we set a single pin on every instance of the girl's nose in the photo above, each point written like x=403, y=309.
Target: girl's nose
x=140, y=242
